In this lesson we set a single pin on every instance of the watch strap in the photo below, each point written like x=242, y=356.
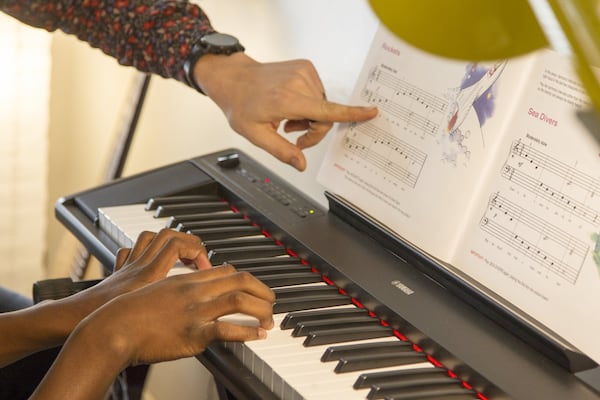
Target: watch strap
x=198, y=50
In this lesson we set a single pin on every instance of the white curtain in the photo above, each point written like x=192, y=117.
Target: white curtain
x=24, y=99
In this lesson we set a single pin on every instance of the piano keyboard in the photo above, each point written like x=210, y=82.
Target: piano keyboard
x=323, y=345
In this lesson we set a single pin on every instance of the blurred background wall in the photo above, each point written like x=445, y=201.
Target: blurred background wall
x=24, y=98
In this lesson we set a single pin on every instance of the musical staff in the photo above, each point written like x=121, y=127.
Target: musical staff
x=541, y=160
x=545, y=244
x=417, y=108
x=407, y=109
x=561, y=185
x=405, y=114
x=550, y=194
x=406, y=89
x=386, y=152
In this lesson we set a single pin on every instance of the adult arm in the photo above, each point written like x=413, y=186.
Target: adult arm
x=157, y=36
x=153, y=36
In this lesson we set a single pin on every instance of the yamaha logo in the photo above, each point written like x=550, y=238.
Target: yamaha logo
x=405, y=289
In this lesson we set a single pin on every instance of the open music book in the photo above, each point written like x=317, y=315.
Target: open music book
x=487, y=168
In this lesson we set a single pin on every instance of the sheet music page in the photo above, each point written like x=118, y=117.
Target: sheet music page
x=484, y=166
x=415, y=167
x=535, y=238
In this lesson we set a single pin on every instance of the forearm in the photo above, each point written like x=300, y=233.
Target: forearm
x=152, y=36
x=27, y=331
x=218, y=74
x=86, y=366
x=44, y=325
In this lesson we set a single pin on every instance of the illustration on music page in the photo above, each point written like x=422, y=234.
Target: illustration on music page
x=596, y=252
x=477, y=92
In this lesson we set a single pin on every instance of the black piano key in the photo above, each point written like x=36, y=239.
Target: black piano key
x=437, y=392
x=212, y=223
x=331, y=336
x=230, y=254
x=364, y=362
x=155, y=202
x=169, y=210
x=315, y=301
x=304, y=328
x=401, y=375
x=264, y=261
x=225, y=232
x=335, y=353
x=300, y=292
x=295, y=278
x=259, y=270
x=291, y=319
x=306, y=298
x=381, y=390
x=472, y=396
x=237, y=242
x=175, y=220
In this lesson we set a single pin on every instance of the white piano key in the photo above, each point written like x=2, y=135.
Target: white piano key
x=301, y=367
x=180, y=268
x=127, y=222
x=240, y=319
x=283, y=358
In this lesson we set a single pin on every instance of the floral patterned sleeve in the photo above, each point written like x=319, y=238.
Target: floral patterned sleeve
x=154, y=36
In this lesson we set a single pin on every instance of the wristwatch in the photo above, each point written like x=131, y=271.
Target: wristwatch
x=212, y=43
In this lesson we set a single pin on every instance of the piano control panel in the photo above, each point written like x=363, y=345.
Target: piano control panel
x=266, y=183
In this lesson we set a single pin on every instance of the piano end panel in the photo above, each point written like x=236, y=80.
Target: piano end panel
x=87, y=232
x=233, y=375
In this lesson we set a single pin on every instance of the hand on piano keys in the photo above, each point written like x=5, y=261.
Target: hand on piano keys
x=224, y=294
x=154, y=318
x=177, y=253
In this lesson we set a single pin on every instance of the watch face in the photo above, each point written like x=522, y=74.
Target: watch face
x=220, y=40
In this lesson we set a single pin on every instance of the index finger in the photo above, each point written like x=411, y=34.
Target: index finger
x=237, y=281
x=321, y=110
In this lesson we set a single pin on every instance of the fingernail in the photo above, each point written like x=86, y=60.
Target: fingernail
x=262, y=334
x=296, y=163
